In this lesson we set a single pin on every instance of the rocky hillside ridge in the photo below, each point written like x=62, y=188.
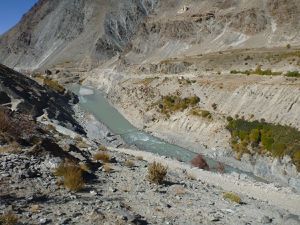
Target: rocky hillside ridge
x=84, y=33
x=24, y=95
x=190, y=28
x=64, y=32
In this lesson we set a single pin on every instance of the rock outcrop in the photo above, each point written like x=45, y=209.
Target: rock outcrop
x=24, y=95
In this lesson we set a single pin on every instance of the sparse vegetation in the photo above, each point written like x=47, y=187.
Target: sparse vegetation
x=173, y=103
x=140, y=158
x=129, y=163
x=200, y=162
x=82, y=144
x=13, y=147
x=102, y=148
x=72, y=176
x=84, y=167
x=148, y=80
x=54, y=85
x=214, y=106
x=107, y=168
x=156, y=172
x=232, y=197
x=185, y=81
x=103, y=156
x=191, y=176
x=265, y=138
x=200, y=113
x=257, y=71
x=292, y=74
x=15, y=127
x=5, y=123
x=8, y=218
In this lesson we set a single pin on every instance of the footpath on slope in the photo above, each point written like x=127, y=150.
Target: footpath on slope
x=280, y=197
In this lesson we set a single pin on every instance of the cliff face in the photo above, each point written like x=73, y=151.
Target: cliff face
x=84, y=33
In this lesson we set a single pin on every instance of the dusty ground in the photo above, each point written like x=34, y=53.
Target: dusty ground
x=124, y=196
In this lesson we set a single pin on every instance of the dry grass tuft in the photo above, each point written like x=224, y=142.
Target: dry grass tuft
x=102, y=148
x=82, y=144
x=232, y=197
x=191, y=176
x=84, y=167
x=13, y=147
x=107, y=168
x=103, y=156
x=35, y=208
x=156, y=172
x=54, y=85
x=129, y=163
x=140, y=158
x=72, y=176
x=180, y=191
x=8, y=219
x=5, y=123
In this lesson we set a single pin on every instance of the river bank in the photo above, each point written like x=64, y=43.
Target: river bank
x=134, y=97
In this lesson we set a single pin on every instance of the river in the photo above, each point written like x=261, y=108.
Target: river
x=94, y=102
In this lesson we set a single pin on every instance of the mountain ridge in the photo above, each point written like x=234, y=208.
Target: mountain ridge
x=88, y=33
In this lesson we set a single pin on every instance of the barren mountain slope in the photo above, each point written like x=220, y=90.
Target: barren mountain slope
x=68, y=31
x=180, y=28
x=85, y=33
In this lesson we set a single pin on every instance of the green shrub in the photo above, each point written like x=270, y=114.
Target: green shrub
x=201, y=113
x=257, y=71
x=229, y=118
x=292, y=74
x=296, y=159
x=277, y=140
x=255, y=136
x=173, y=103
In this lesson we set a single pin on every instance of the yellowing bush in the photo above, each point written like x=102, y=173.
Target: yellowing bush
x=72, y=175
x=103, y=156
x=232, y=197
x=156, y=172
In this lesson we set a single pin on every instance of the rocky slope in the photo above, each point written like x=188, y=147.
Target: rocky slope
x=232, y=56
x=72, y=32
x=51, y=174
x=125, y=196
x=84, y=33
x=22, y=94
x=180, y=28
